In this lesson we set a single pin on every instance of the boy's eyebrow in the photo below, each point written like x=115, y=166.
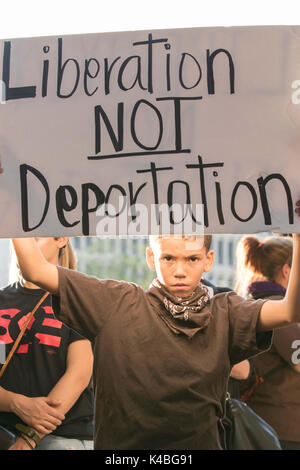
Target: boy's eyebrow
x=195, y=253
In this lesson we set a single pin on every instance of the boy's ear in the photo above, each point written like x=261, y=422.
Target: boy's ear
x=150, y=258
x=210, y=255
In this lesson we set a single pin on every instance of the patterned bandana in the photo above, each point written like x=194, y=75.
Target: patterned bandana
x=183, y=316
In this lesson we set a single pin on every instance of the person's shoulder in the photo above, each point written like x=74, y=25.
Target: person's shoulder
x=10, y=288
x=79, y=276
x=229, y=301
x=9, y=295
x=80, y=280
x=215, y=290
x=224, y=296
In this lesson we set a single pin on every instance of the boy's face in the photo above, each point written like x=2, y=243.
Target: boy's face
x=179, y=263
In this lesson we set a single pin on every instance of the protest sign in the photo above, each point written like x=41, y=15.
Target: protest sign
x=103, y=134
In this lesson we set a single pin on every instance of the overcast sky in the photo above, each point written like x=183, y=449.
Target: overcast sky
x=26, y=18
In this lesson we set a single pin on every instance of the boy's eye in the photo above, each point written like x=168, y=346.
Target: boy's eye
x=167, y=258
x=193, y=259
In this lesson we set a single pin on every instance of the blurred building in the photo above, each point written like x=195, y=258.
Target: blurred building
x=223, y=271
x=4, y=261
x=222, y=274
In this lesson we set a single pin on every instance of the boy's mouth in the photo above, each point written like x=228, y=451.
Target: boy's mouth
x=180, y=285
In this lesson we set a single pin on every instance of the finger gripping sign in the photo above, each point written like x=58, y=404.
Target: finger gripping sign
x=142, y=132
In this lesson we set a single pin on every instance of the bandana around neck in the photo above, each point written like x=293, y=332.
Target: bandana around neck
x=183, y=316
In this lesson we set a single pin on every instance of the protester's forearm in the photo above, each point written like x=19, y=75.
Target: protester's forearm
x=68, y=389
x=7, y=400
x=280, y=313
x=77, y=376
x=241, y=370
x=34, y=267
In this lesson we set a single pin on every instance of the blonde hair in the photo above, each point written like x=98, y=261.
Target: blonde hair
x=207, y=239
x=66, y=259
x=258, y=260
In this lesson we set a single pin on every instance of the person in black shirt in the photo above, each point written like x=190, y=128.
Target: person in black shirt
x=47, y=383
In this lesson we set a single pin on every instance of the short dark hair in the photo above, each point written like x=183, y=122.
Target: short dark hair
x=207, y=239
x=207, y=242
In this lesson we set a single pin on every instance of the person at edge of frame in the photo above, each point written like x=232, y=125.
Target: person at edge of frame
x=46, y=385
x=263, y=271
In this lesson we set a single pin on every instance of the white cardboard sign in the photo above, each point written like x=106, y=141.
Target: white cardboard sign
x=204, y=117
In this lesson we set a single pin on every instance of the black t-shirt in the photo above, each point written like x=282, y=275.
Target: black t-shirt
x=40, y=359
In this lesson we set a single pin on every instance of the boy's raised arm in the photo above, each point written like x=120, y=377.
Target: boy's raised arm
x=34, y=267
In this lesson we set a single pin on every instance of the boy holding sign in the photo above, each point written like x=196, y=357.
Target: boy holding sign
x=162, y=357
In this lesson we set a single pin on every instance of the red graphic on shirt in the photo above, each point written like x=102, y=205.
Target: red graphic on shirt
x=23, y=320
x=48, y=309
x=52, y=322
x=47, y=338
x=23, y=349
x=4, y=323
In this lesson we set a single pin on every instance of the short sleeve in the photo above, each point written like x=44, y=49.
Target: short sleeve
x=85, y=303
x=244, y=340
x=74, y=336
x=286, y=340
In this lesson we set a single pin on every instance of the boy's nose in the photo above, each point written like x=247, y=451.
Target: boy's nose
x=179, y=270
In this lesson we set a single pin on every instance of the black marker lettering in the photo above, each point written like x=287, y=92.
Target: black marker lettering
x=160, y=124
x=13, y=93
x=210, y=72
x=177, y=114
x=24, y=169
x=88, y=188
x=62, y=204
x=89, y=74
x=262, y=182
x=153, y=170
x=133, y=197
x=150, y=43
x=138, y=77
x=107, y=72
x=60, y=72
x=117, y=141
x=254, y=200
x=201, y=166
x=170, y=198
x=45, y=72
x=168, y=68
x=184, y=55
x=219, y=203
x=122, y=191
